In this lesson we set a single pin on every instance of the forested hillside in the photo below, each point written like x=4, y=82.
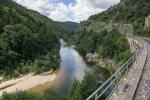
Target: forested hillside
x=69, y=26
x=28, y=40
x=111, y=45
x=127, y=12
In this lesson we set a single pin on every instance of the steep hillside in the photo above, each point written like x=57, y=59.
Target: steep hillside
x=69, y=26
x=127, y=12
x=28, y=40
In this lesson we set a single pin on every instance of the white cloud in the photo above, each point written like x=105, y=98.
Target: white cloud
x=61, y=13
x=58, y=11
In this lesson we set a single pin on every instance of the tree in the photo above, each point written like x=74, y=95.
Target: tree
x=50, y=94
x=75, y=91
x=19, y=95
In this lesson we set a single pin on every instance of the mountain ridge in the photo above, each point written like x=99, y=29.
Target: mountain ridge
x=68, y=25
x=131, y=12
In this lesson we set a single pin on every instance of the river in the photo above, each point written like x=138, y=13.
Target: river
x=72, y=66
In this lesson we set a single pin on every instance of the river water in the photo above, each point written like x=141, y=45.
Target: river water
x=72, y=66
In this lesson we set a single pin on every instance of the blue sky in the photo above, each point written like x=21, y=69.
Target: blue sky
x=67, y=2
x=68, y=10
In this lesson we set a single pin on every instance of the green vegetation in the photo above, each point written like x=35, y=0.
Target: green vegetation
x=79, y=91
x=49, y=94
x=28, y=40
x=143, y=32
x=69, y=26
x=111, y=45
x=128, y=11
x=89, y=84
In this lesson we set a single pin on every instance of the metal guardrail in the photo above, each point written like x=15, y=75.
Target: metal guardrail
x=107, y=89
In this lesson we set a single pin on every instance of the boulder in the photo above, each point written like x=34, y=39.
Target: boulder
x=126, y=29
x=90, y=57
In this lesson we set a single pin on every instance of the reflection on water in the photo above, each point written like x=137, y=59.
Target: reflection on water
x=72, y=63
x=72, y=66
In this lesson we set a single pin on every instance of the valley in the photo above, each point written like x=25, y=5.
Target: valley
x=43, y=59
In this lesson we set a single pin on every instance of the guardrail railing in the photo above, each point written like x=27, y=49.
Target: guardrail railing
x=107, y=89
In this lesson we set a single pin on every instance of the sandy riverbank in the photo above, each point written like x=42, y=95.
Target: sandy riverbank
x=26, y=82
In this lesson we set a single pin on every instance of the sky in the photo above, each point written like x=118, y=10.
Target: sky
x=68, y=10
